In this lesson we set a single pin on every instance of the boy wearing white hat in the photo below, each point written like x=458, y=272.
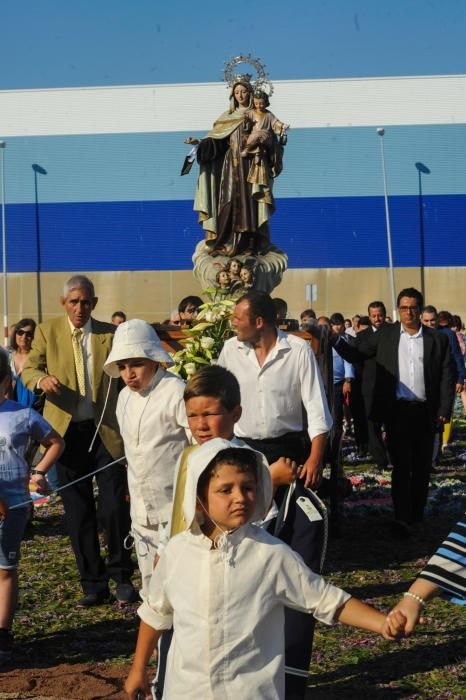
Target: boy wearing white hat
x=153, y=424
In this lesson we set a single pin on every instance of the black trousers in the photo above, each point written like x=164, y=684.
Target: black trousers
x=410, y=435
x=83, y=517
x=299, y=627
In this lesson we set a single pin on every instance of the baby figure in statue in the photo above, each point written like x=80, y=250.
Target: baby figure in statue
x=265, y=125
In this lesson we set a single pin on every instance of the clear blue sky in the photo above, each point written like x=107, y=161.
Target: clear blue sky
x=58, y=43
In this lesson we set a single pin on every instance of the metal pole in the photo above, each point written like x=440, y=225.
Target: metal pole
x=6, y=338
x=381, y=133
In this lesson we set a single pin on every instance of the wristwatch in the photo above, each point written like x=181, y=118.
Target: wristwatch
x=37, y=471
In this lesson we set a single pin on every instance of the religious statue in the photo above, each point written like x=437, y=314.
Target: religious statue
x=238, y=161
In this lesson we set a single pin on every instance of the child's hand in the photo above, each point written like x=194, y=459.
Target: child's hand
x=283, y=472
x=3, y=510
x=41, y=483
x=394, y=626
x=411, y=610
x=137, y=685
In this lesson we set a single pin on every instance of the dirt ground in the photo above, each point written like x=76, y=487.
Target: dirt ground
x=64, y=682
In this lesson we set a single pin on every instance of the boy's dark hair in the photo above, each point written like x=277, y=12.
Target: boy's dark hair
x=308, y=312
x=217, y=382
x=5, y=370
x=260, y=306
x=377, y=305
x=337, y=318
x=281, y=307
x=364, y=321
x=241, y=458
x=21, y=324
x=189, y=301
x=412, y=294
x=119, y=314
x=445, y=318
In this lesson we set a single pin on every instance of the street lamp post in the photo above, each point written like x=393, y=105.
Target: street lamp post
x=381, y=132
x=6, y=339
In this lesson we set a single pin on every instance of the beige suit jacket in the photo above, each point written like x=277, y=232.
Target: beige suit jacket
x=52, y=354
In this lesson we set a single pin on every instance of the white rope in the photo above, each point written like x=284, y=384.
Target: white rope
x=81, y=478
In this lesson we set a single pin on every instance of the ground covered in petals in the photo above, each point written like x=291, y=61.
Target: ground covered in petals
x=65, y=652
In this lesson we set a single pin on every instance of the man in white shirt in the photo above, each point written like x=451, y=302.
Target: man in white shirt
x=278, y=377
x=413, y=396
x=285, y=414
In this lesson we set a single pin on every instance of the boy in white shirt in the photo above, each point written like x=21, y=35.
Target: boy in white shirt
x=224, y=583
x=152, y=420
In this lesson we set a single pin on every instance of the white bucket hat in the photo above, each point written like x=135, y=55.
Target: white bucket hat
x=135, y=338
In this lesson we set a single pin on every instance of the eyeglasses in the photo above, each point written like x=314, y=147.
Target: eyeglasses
x=28, y=334
x=409, y=308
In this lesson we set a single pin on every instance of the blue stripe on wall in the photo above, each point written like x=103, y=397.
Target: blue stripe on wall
x=314, y=232
x=330, y=162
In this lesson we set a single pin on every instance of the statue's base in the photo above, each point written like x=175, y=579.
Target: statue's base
x=268, y=265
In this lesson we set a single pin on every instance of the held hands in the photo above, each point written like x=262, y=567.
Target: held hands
x=411, y=611
x=50, y=385
x=394, y=625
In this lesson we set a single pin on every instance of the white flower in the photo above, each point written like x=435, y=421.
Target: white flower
x=207, y=343
x=209, y=316
x=190, y=368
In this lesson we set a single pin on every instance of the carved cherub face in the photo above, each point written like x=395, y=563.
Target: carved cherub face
x=235, y=268
x=246, y=275
x=260, y=104
x=223, y=279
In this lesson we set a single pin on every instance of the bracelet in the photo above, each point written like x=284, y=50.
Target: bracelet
x=420, y=600
x=36, y=471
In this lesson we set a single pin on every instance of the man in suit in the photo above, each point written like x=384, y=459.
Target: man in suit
x=377, y=314
x=413, y=395
x=66, y=363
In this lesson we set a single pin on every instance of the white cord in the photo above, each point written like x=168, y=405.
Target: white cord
x=101, y=417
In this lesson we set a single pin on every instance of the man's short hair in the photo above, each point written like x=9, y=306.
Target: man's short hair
x=189, y=301
x=336, y=318
x=364, y=321
x=412, y=294
x=377, y=305
x=217, y=382
x=260, y=306
x=308, y=312
x=429, y=309
x=78, y=282
x=281, y=307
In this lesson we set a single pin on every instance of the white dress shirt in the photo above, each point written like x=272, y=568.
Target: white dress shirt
x=411, y=384
x=154, y=429
x=228, y=616
x=273, y=396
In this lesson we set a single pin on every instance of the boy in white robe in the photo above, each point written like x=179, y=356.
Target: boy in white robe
x=224, y=583
x=152, y=421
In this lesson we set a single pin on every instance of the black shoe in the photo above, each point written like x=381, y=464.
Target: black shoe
x=126, y=593
x=92, y=599
x=6, y=645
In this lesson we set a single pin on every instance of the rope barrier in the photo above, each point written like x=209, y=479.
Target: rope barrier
x=81, y=478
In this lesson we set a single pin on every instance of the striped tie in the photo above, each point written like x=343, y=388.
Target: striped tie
x=79, y=360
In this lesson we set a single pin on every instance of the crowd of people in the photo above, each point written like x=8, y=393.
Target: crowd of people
x=222, y=474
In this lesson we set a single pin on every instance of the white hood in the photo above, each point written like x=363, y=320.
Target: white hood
x=198, y=461
x=135, y=338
